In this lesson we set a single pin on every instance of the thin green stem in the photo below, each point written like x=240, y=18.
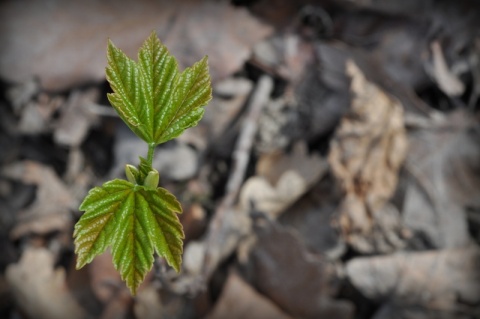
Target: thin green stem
x=151, y=152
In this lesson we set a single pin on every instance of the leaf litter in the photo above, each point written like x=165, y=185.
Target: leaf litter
x=366, y=153
x=350, y=191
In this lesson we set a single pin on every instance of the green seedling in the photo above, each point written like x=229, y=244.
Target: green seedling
x=135, y=217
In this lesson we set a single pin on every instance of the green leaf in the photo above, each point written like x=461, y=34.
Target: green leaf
x=152, y=97
x=135, y=221
x=128, y=101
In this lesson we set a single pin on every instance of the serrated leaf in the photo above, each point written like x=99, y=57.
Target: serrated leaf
x=127, y=99
x=135, y=221
x=152, y=97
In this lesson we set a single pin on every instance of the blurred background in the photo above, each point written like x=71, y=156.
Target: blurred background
x=335, y=174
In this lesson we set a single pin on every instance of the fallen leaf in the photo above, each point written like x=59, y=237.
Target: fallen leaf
x=239, y=300
x=312, y=216
x=281, y=179
x=69, y=50
x=366, y=153
x=438, y=283
x=49, y=211
x=299, y=282
x=39, y=289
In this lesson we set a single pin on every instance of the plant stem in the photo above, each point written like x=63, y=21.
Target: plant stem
x=151, y=152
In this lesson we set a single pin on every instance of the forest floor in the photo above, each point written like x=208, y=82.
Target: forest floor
x=335, y=174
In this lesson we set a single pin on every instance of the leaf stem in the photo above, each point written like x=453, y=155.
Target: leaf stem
x=151, y=152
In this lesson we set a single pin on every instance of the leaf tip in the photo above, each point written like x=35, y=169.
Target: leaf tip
x=110, y=45
x=133, y=289
x=80, y=263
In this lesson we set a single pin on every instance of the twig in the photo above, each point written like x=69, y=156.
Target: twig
x=244, y=144
x=220, y=225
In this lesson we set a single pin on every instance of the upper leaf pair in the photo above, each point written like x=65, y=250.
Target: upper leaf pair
x=152, y=97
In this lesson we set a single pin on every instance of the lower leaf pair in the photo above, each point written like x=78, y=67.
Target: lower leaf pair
x=135, y=220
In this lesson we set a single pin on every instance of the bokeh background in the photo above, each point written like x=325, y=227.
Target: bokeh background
x=335, y=174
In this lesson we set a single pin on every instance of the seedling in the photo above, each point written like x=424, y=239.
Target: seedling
x=135, y=216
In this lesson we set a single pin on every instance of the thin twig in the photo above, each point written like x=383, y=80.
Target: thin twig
x=241, y=156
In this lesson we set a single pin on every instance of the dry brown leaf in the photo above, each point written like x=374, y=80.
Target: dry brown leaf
x=39, y=289
x=69, y=49
x=49, y=211
x=239, y=300
x=366, y=153
x=281, y=179
x=436, y=282
x=299, y=282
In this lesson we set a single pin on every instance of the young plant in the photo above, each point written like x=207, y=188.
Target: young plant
x=135, y=216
